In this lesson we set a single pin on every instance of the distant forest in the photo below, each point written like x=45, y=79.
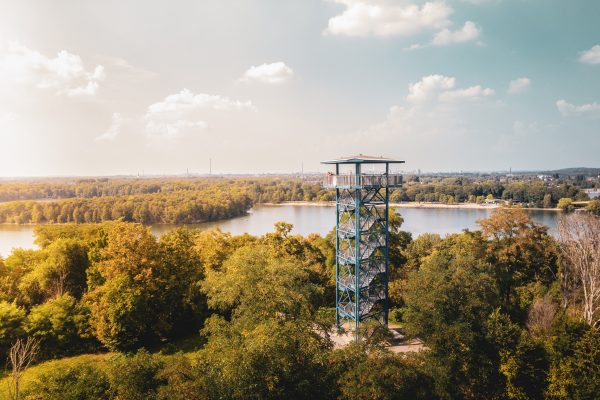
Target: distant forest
x=195, y=200
x=148, y=201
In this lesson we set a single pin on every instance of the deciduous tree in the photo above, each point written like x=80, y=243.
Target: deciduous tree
x=579, y=236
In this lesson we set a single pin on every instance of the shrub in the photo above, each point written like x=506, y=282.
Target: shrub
x=134, y=376
x=61, y=326
x=77, y=382
x=566, y=204
x=11, y=320
x=379, y=375
x=594, y=207
x=578, y=376
x=183, y=380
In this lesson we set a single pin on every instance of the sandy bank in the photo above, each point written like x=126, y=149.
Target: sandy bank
x=398, y=205
x=408, y=204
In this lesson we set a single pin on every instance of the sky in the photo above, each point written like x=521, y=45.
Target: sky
x=114, y=87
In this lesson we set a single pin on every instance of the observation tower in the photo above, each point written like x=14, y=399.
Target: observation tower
x=362, y=184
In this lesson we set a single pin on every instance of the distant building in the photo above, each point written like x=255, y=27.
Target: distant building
x=492, y=201
x=592, y=193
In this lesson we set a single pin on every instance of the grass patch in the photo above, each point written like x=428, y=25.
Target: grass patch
x=188, y=345
x=34, y=372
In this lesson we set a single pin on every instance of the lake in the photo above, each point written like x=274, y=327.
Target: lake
x=306, y=220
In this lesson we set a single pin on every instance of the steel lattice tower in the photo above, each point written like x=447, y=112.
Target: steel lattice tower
x=362, y=239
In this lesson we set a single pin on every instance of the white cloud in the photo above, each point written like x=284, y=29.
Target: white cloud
x=432, y=106
x=478, y=2
x=414, y=46
x=524, y=128
x=428, y=87
x=591, y=56
x=568, y=109
x=469, y=32
x=441, y=88
x=471, y=93
x=186, y=100
x=64, y=74
x=88, y=90
x=273, y=73
x=437, y=118
x=186, y=111
x=387, y=18
x=121, y=68
x=519, y=85
x=114, y=130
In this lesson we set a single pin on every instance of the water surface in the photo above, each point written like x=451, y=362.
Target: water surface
x=306, y=220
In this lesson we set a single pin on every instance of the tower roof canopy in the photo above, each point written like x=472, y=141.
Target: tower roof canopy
x=363, y=159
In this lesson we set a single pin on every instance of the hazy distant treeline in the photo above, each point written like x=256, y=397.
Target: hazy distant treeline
x=150, y=201
x=267, y=189
x=532, y=192
x=159, y=208
x=193, y=200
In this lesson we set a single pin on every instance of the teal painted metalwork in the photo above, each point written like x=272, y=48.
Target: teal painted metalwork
x=362, y=240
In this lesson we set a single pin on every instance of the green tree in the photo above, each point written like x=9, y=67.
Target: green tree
x=526, y=369
x=62, y=270
x=364, y=374
x=272, y=358
x=61, y=325
x=256, y=284
x=594, y=207
x=85, y=233
x=20, y=263
x=411, y=255
x=127, y=288
x=578, y=375
x=398, y=239
x=518, y=252
x=11, y=325
x=182, y=380
x=143, y=290
x=448, y=301
x=182, y=298
x=270, y=348
x=213, y=248
x=566, y=204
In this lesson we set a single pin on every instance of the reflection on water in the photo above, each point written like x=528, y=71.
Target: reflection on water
x=12, y=236
x=308, y=219
x=260, y=220
x=454, y=220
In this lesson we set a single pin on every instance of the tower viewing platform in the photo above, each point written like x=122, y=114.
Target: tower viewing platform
x=357, y=179
x=362, y=237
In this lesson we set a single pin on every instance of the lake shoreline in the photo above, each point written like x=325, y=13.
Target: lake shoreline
x=313, y=217
x=408, y=204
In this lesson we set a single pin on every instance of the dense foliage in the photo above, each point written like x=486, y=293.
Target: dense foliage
x=195, y=200
x=159, y=208
x=528, y=191
x=148, y=201
x=489, y=306
x=260, y=189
